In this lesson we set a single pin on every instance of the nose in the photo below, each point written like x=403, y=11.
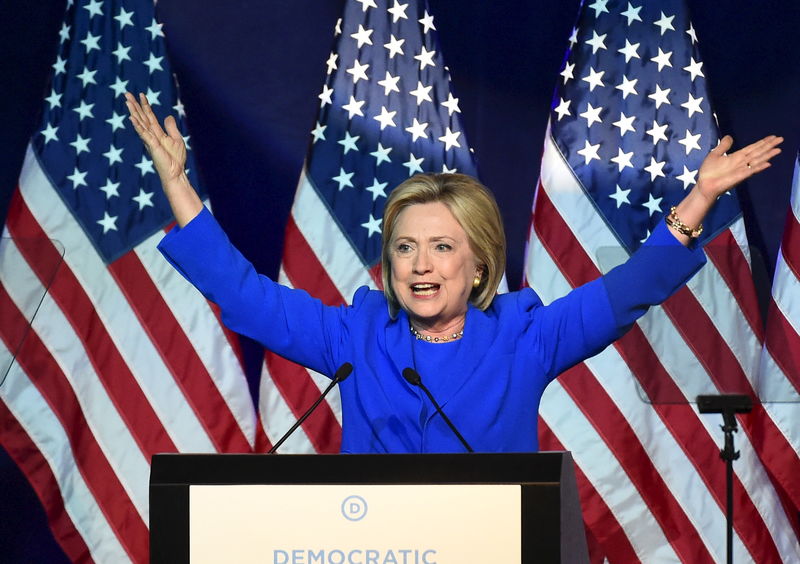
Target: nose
x=422, y=262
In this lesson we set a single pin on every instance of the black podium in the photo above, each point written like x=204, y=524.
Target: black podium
x=551, y=526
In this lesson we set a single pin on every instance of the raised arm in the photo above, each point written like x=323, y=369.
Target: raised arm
x=168, y=151
x=719, y=173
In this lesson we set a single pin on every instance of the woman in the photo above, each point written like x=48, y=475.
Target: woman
x=486, y=358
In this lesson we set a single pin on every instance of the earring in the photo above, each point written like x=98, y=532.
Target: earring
x=476, y=281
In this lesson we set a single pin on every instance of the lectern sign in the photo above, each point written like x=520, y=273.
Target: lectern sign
x=347, y=524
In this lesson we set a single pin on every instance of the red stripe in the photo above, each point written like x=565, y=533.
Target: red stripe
x=303, y=268
x=108, y=364
x=23, y=451
x=603, y=529
x=572, y=260
x=178, y=354
x=45, y=373
x=783, y=344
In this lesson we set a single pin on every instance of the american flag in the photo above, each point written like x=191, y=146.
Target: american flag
x=629, y=127
x=123, y=359
x=387, y=112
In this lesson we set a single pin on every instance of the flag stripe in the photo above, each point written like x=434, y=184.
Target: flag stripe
x=783, y=344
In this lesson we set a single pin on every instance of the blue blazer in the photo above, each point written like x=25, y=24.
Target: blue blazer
x=497, y=372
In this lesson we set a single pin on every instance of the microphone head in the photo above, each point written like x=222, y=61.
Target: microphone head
x=412, y=376
x=343, y=372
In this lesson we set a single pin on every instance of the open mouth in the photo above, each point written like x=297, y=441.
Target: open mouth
x=425, y=289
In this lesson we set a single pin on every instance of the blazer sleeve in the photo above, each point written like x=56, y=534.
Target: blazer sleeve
x=288, y=322
x=591, y=317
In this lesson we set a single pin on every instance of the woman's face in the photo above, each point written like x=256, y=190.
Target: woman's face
x=433, y=266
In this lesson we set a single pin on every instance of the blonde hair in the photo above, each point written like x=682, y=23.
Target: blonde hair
x=476, y=211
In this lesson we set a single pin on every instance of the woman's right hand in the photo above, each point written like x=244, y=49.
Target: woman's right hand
x=166, y=148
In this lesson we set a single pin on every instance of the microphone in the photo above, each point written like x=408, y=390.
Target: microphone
x=341, y=373
x=413, y=378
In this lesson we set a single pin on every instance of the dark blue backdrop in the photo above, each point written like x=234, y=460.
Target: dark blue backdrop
x=250, y=71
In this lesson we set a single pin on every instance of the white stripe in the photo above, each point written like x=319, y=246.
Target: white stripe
x=58, y=336
x=324, y=236
x=786, y=292
x=35, y=416
x=277, y=418
x=203, y=329
x=120, y=321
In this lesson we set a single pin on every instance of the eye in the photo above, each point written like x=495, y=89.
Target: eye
x=443, y=247
x=403, y=248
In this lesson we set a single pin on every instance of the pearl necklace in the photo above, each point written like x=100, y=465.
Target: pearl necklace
x=430, y=339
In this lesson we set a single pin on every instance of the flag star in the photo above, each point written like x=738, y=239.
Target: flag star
x=422, y=93
x=337, y=28
x=60, y=65
x=121, y=53
x=152, y=97
x=318, y=132
x=597, y=42
x=64, y=32
x=49, y=133
x=84, y=110
x=386, y=118
x=692, y=105
x=358, y=71
x=87, y=76
x=665, y=23
x=389, y=83
x=113, y=155
x=690, y=142
x=110, y=189
x=695, y=69
x=343, y=179
x=625, y=123
x=362, y=36
x=353, y=107
x=395, y=46
x=632, y=13
x=658, y=132
x=153, y=63
x=145, y=166
x=382, y=154
x=144, y=199
x=692, y=33
x=627, y=86
x=365, y=4
x=331, y=62
x=119, y=87
x=446, y=170
x=398, y=11
x=451, y=104
x=81, y=144
x=109, y=222
x=630, y=51
x=54, y=99
x=599, y=6
x=655, y=169
x=186, y=142
x=589, y=152
x=373, y=226
x=325, y=95
x=413, y=164
x=94, y=8
x=567, y=73
x=653, y=204
x=78, y=178
x=427, y=22
x=594, y=78
x=349, y=142
x=378, y=189
x=662, y=59
x=417, y=130
x=425, y=58
x=623, y=160
x=573, y=37
x=688, y=177
x=91, y=42
x=592, y=115
x=620, y=196
x=124, y=18
x=562, y=109
x=155, y=29
x=450, y=139
x=646, y=236
x=178, y=107
x=116, y=121
x=660, y=96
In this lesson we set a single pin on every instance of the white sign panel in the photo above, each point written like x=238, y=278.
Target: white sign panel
x=335, y=524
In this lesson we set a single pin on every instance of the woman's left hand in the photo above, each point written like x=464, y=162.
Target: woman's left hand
x=721, y=172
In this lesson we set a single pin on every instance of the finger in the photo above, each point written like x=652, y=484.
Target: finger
x=724, y=144
x=150, y=117
x=172, y=129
